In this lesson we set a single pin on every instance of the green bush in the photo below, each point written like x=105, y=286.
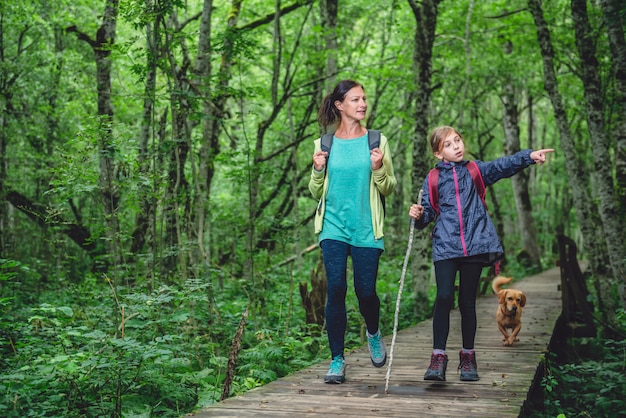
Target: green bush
x=593, y=386
x=99, y=349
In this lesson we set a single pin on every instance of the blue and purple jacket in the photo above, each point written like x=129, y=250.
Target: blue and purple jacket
x=464, y=227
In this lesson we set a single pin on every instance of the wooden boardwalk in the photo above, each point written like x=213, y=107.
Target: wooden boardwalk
x=506, y=373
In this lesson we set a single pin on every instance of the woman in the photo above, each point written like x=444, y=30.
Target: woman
x=350, y=183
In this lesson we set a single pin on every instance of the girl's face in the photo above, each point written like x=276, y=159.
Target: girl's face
x=354, y=104
x=452, y=149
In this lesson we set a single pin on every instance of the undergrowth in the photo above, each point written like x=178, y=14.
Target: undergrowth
x=102, y=348
x=590, y=383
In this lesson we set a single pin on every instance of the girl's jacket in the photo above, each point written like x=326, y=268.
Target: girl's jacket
x=463, y=227
x=382, y=182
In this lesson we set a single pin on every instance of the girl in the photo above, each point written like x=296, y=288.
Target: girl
x=464, y=240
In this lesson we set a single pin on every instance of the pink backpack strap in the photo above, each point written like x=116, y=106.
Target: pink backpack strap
x=433, y=184
x=433, y=189
x=472, y=167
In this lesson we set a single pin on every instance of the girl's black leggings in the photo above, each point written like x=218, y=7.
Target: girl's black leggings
x=469, y=278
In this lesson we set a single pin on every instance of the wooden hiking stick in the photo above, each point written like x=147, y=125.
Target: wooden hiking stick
x=395, y=320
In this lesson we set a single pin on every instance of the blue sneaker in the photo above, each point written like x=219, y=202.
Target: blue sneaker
x=378, y=352
x=337, y=371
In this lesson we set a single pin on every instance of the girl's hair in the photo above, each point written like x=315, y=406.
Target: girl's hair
x=439, y=134
x=328, y=114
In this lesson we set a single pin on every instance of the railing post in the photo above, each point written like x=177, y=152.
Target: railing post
x=577, y=311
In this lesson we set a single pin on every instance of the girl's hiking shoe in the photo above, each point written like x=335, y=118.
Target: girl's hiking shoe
x=378, y=352
x=337, y=371
x=437, y=369
x=468, y=367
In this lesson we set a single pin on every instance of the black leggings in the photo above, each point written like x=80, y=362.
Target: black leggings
x=445, y=275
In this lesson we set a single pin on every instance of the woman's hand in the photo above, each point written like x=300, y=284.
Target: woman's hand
x=376, y=157
x=539, y=156
x=319, y=160
x=416, y=211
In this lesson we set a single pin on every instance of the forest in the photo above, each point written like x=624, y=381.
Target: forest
x=157, y=248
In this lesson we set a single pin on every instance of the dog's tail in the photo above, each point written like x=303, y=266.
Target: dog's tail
x=498, y=281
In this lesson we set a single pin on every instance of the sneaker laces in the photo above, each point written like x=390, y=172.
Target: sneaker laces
x=336, y=365
x=466, y=362
x=437, y=361
x=375, y=345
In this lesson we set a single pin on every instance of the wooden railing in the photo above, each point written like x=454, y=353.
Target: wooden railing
x=577, y=315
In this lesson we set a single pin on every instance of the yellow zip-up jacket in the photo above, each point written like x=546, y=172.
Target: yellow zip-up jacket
x=382, y=182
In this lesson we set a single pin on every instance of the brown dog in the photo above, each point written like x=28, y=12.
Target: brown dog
x=509, y=313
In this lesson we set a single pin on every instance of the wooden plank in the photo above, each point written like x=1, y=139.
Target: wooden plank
x=506, y=373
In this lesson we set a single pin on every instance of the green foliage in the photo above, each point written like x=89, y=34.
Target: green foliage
x=96, y=348
x=593, y=386
x=74, y=362
x=59, y=142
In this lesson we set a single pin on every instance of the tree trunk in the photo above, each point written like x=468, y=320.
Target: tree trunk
x=613, y=12
x=591, y=227
x=177, y=202
x=208, y=148
x=145, y=218
x=468, y=69
x=314, y=301
x=215, y=106
x=104, y=39
x=101, y=46
x=177, y=195
x=608, y=208
x=426, y=22
x=4, y=205
x=530, y=257
x=328, y=10
x=8, y=111
x=40, y=214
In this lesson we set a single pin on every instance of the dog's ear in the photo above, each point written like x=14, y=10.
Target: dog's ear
x=502, y=296
x=523, y=301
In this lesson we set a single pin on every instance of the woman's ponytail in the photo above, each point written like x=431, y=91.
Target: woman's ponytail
x=328, y=114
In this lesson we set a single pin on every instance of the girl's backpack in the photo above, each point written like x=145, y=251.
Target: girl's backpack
x=433, y=184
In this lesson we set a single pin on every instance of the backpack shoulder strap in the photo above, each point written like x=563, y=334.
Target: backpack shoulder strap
x=433, y=189
x=472, y=167
x=373, y=138
x=326, y=142
x=433, y=184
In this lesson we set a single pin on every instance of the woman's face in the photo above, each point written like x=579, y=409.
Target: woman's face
x=353, y=106
x=452, y=150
